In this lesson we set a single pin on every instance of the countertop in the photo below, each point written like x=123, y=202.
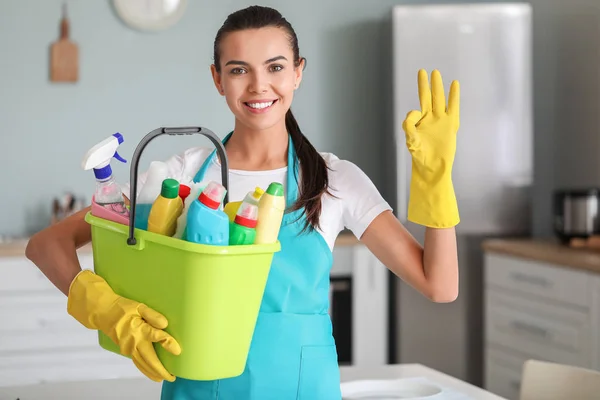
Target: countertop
x=17, y=247
x=142, y=388
x=549, y=251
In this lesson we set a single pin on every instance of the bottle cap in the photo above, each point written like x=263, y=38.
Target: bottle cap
x=275, y=189
x=212, y=195
x=184, y=191
x=247, y=215
x=170, y=188
x=258, y=192
x=103, y=173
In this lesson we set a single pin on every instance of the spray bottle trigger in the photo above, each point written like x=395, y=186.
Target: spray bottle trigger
x=118, y=157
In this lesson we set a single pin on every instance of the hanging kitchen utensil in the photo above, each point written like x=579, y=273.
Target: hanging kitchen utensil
x=64, y=64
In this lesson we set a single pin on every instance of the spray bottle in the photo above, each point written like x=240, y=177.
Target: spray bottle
x=107, y=201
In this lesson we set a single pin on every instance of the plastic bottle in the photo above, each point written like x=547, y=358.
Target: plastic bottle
x=195, y=190
x=232, y=207
x=206, y=222
x=270, y=214
x=184, y=192
x=157, y=173
x=185, y=188
x=242, y=230
x=166, y=209
x=107, y=201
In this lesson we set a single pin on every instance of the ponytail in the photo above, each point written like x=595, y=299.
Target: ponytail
x=314, y=172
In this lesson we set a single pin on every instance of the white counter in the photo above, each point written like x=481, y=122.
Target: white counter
x=141, y=388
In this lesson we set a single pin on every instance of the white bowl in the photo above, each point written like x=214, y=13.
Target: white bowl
x=397, y=389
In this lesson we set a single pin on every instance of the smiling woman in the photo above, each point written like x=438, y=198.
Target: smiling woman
x=257, y=68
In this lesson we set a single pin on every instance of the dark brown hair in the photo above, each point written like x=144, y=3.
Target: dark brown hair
x=315, y=180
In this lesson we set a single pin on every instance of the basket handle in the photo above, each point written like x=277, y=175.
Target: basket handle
x=172, y=131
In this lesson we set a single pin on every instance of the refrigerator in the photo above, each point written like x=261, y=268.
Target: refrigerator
x=488, y=49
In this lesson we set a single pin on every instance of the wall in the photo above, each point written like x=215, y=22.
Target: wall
x=566, y=101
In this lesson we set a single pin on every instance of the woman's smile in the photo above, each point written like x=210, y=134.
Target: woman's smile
x=259, y=107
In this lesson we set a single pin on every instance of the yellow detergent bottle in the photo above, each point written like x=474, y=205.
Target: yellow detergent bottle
x=232, y=207
x=166, y=209
x=271, y=207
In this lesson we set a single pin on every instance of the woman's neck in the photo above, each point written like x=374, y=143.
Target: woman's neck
x=253, y=150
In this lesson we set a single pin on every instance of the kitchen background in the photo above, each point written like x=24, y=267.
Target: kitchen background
x=133, y=82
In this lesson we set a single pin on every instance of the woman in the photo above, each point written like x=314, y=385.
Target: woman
x=257, y=67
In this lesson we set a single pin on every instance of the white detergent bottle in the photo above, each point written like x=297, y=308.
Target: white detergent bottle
x=195, y=190
x=157, y=173
x=107, y=201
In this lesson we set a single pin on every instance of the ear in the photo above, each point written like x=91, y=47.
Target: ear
x=298, y=72
x=217, y=79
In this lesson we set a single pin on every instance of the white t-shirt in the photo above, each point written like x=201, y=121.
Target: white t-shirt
x=354, y=204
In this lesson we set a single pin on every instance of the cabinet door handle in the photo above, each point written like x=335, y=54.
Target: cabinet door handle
x=531, y=279
x=530, y=328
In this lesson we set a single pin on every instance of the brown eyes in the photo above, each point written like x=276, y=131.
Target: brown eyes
x=241, y=71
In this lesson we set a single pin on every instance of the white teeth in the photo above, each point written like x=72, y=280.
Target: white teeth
x=260, y=105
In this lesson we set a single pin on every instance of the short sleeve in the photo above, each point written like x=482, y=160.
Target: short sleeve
x=361, y=202
x=183, y=166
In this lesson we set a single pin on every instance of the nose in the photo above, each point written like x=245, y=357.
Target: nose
x=259, y=83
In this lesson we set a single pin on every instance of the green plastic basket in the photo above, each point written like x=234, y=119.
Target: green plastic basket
x=210, y=295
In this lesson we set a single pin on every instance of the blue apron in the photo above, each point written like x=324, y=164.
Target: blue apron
x=292, y=355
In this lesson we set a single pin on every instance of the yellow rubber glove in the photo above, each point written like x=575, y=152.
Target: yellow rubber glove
x=431, y=141
x=131, y=325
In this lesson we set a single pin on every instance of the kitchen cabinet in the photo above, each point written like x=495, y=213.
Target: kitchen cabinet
x=40, y=342
x=537, y=310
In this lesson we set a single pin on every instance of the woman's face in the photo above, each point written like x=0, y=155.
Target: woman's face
x=257, y=76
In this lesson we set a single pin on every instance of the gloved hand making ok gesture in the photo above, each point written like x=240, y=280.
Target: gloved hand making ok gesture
x=431, y=140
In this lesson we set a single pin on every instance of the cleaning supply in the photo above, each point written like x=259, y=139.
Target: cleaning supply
x=107, y=201
x=131, y=325
x=211, y=295
x=157, y=173
x=195, y=190
x=271, y=207
x=232, y=207
x=206, y=222
x=184, y=192
x=166, y=209
x=242, y=230
x=185, y=188
x=431, y=140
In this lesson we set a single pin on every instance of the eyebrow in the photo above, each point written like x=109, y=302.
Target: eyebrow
x=270, y=60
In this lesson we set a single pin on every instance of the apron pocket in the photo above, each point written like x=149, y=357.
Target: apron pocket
x=319, y=374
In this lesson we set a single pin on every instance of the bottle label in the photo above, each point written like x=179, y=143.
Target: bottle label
x=117, y=208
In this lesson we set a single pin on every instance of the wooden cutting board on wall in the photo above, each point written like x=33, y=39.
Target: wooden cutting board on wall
x=64, y=55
